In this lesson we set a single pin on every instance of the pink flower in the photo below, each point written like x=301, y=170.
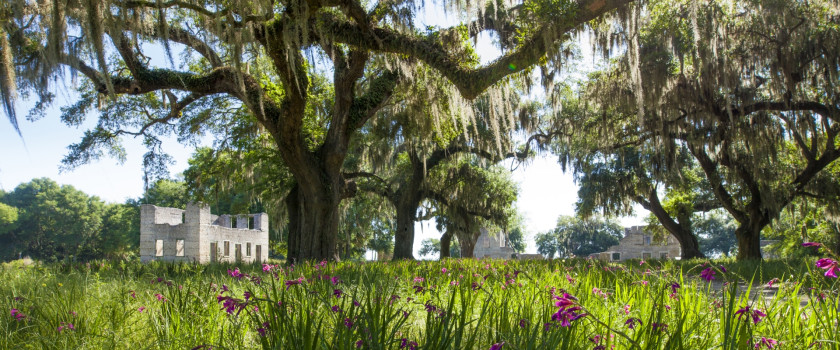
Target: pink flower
x=235, y=273
x=770, y=283
x=811, y=244
x=830, y=266
x=443, y=270
x=66, y=326
x=141, y=309
x=19, y=316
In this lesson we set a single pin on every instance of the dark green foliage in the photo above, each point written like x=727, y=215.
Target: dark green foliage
x=55, y=222
x=166, y=193
x=716, y=233
x=575, y=237
x=430, y=247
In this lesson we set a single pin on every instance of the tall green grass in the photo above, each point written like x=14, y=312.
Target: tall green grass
x=452, y=304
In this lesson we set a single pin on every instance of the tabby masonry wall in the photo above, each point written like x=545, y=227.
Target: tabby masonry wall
x=188, y=235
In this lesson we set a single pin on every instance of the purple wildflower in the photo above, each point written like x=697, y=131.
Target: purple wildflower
x=722, y=269
x=290, y=283
x=261, y=331
x=141, y=309
x=766, y=342
x=359, y=343
x=756, y=315
x=708, y=274
x=659, y=326
x=497, y=346
x=523, y=323
x=337, y=293
x=19, y=316
x=566, y=316
x=812, y=244
x=235, y=273
x=335, y=308
x=412, y=345
x=66, y=326
x=831, y=267
x=348, y=323
x=631, y=322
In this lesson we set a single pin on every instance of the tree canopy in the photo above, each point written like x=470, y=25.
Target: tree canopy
x=309, y=73
x=747, y=87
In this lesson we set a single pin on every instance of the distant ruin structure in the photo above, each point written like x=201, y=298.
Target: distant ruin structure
x=497, y=247
x=638, y=244
x=195, y=235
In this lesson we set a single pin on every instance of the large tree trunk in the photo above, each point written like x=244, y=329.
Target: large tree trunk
x=406, y=217
x=681, y=230
x=689, y=246
x=467, y=242
x=446, y=245
x=313, y=223
x=408, y=200
x=749, y=241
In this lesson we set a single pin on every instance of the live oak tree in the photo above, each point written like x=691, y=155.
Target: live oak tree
x=749, y=87
x=263, y=55
x=612, y=181
x=468, y=197
x=404, y=151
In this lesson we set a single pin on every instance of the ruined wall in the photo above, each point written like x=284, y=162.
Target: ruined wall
x=637, y=244
x=492, y=246
x=168, y=226
x=170, y=234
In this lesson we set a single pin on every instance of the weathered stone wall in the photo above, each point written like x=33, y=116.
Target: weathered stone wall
x=637, y=244
x=492, y=246
x=199, y=229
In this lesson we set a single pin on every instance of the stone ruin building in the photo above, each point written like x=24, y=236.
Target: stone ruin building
x=496, y=247
x=638, y=244
x=195, y=235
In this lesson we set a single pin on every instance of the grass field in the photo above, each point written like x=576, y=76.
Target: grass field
x=453, y=304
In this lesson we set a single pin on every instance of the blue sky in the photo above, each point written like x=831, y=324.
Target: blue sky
x=545, y=191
